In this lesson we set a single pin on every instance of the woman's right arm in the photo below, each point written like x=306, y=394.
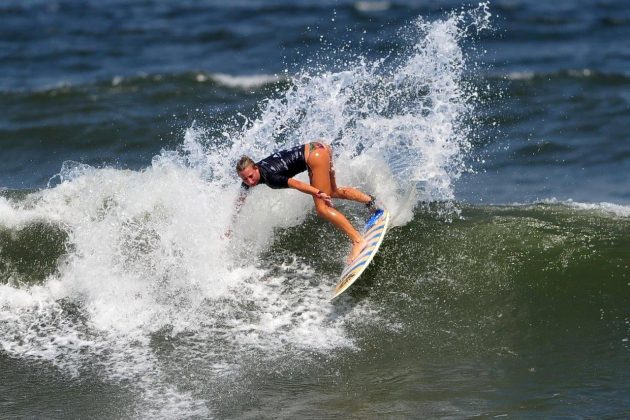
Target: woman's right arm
x=238, y=205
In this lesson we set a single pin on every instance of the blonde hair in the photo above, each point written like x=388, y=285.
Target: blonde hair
x=244, y=162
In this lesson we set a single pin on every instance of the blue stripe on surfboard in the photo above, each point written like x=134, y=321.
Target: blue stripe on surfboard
x=379, y=222
x=361, y=258
x=377, y=215
x=357, y=266
x=377, y=235
x=367, y=251
x=357, y=263
x=373, y=234
x=351, y=268
x=375, y=228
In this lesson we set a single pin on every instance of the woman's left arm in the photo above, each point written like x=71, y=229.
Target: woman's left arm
x=309, y=189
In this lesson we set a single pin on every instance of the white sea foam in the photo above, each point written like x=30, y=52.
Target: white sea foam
x=404, y=114
x=146, y=257
x=529, y=75
x=610, y=208
x=243, y=82
x=145, y=260
x=372, y=6
x=521, y=75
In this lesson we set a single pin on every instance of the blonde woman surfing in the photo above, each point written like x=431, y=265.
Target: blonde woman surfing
x=278, y=170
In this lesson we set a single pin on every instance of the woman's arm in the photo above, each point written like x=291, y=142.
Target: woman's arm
x=238, y=205
x=309, y=189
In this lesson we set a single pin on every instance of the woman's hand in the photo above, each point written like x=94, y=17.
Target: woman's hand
x=323, y=196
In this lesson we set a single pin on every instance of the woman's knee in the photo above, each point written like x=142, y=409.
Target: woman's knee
x=322, y=209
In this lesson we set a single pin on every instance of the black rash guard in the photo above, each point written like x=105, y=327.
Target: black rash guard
x=275, y=170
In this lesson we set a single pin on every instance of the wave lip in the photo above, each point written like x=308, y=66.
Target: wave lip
x=602, y=207
x=241, y=81
x=372, y=6
x=575, y=73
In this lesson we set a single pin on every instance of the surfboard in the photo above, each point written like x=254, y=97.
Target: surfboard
x=374, y=232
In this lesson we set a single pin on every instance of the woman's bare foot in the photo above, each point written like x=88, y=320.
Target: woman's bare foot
x=357, y=247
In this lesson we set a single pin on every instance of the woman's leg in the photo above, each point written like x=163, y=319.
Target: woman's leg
x=320, y=175
x=345, y=193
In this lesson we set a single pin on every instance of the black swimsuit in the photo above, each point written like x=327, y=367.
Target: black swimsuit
x=275, y=170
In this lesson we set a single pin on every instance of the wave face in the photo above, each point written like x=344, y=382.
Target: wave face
x=121, y=275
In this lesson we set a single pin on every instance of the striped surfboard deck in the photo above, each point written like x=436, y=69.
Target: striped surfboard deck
x=375, y=229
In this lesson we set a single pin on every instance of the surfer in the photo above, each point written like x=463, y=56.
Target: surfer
x=278, y=170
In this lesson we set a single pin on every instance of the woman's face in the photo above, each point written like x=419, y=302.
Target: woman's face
x=250, y=175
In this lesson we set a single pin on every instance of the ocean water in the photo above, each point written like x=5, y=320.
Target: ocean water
x=496, y=133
